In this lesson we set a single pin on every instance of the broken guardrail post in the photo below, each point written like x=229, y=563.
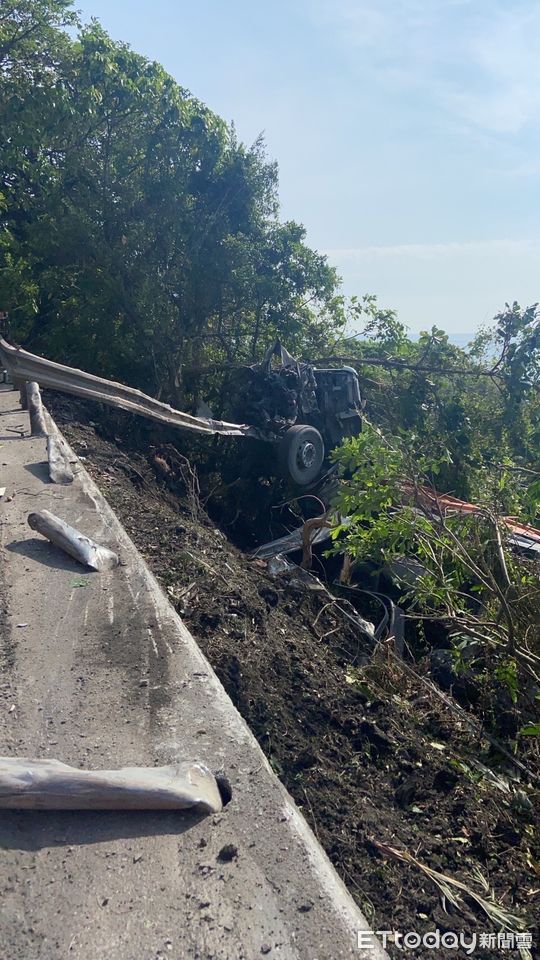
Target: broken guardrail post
x=76, y=544
x=51, y=785
x=38, y=427
x=59, y=467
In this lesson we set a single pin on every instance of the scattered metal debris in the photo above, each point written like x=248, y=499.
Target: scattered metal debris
x=290, y=543
x=521, y=536
x=278, y=565
x=304, y=580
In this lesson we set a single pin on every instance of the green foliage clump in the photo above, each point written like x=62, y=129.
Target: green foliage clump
x=466, y=577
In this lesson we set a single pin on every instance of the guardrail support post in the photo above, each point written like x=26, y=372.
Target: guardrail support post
x=35, y=409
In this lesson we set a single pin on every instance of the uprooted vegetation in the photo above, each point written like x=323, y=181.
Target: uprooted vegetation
x=393, y=772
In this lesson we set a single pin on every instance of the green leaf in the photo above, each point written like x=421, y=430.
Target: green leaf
x=530, y=730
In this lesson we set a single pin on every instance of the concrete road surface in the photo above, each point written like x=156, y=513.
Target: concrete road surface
x=97, y=670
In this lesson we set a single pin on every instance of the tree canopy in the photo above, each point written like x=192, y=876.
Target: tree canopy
x=138, y=234
x=141, y=240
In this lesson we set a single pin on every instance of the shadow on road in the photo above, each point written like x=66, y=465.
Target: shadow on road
x=39, y=470
x=47, y=554
x=39, y=829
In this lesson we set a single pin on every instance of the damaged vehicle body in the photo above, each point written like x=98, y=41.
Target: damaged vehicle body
x=303, y=409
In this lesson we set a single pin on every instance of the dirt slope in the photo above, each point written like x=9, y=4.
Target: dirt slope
x=364, y=748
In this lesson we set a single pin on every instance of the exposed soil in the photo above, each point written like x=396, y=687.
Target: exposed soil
x=366, y=749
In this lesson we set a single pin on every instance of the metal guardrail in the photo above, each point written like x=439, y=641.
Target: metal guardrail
x=24, y=366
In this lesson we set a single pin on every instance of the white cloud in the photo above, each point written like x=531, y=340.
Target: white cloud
x=430, y=251
x=478, y=61
x=505, y=54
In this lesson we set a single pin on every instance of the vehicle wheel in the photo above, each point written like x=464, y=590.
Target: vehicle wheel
x=302, y=453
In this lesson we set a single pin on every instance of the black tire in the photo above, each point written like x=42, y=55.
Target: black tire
x=301, y=454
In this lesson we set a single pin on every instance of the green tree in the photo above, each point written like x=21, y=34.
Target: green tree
x=139, y=238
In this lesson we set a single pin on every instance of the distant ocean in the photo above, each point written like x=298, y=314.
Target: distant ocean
x=461, y=339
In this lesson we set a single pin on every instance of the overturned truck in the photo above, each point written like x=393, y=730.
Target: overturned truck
x=305, y=410
x=302, y=409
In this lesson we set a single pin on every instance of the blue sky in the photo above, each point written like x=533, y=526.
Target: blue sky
x=407, y=133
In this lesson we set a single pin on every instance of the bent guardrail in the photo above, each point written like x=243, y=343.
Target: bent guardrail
x=27, y=366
